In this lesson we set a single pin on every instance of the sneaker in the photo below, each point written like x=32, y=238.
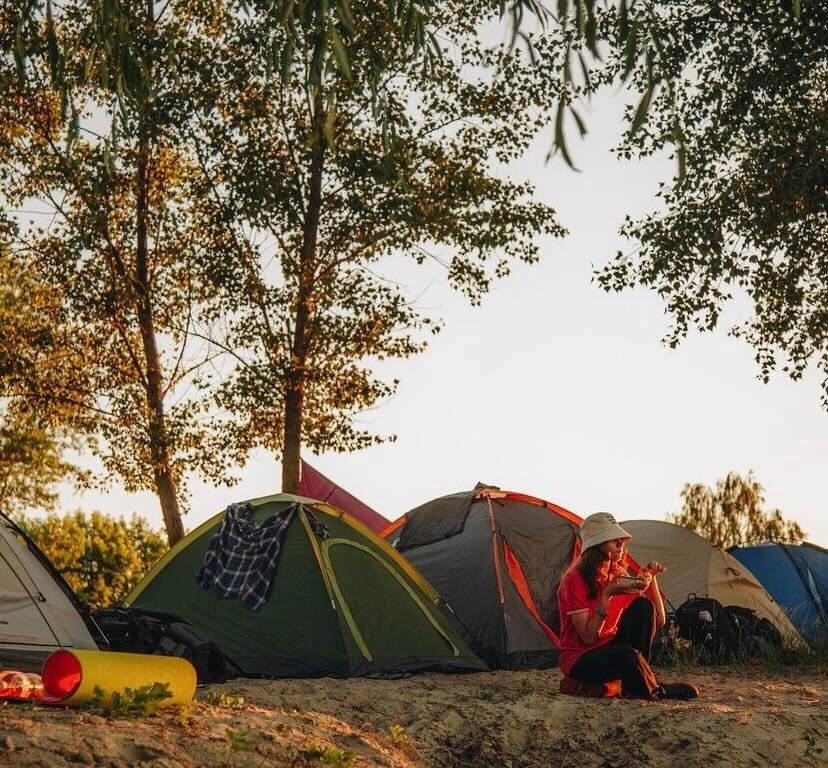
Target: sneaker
x=678, y=691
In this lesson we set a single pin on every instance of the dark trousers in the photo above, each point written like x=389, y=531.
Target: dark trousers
x=626, y=657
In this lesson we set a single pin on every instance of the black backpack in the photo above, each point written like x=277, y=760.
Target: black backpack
x=706, y=622
x=137, y=630
x=756, y=634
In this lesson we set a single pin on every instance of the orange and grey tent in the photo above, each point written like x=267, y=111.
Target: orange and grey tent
x=496, y=558
x=341, y=602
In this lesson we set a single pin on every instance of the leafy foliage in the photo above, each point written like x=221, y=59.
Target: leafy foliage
x=231, y=182
x=32, y=468
x=100, y=557
x=321, y=199
x=330, y=755
x=224, y=700
x=95, y=147
x=736, y=90
x=733, y=513
x=33, y=442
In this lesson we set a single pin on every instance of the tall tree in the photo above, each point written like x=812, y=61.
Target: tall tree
x=733, y=513
x=94, y=137
x=736, y=90
x=97, y=127
x=326, y=180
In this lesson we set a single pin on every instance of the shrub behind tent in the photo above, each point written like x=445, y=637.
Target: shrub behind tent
x=496, y=558
x=38, y=611
x=695, y=566
x=796, y=576
x=346, y=605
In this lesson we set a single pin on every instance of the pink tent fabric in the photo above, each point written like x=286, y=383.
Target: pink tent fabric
x=315, y=485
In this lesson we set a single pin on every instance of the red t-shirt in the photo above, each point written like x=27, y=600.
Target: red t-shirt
x=573, y=598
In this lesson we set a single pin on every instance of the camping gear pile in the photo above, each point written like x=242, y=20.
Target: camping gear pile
x=718, y=603
x=50, y=647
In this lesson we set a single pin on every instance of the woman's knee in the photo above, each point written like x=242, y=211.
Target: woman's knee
x=626, y=655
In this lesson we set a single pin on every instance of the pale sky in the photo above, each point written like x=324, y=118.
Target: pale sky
x=556, y=389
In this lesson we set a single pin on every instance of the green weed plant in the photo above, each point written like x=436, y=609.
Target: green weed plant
x=224, y=700
x=141, y=702
x=398, y=735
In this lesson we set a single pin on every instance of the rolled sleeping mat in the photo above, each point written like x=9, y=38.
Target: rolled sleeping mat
x=70, y=677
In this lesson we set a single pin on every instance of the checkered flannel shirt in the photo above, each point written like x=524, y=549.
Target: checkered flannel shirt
x=243, y=554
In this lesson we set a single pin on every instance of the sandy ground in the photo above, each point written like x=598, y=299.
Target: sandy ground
x=487, y=720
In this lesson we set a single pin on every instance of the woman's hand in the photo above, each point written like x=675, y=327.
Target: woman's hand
x=647, y=576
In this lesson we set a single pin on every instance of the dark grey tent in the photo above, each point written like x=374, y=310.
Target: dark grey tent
x=39, y=613
x=496, y=558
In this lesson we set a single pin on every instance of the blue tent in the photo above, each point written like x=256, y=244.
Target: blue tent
x=796, y=576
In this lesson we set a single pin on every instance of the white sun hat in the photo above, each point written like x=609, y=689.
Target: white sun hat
x=600, y=527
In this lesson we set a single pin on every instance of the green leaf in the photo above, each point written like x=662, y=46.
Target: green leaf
x=317, y=61
x=623, y=21
x=585, y=70
x=591, y=32
x=19, y=54
x=329, y=126
x=343, y=12
x=560, y=138
x=52, y=44
x=90, y=62
x=630, y=52
x=567, y=69
x=640, y=116
x=341, y=55
x=579, y=122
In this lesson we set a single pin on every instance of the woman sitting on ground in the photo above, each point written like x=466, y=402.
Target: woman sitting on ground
x=607, y=625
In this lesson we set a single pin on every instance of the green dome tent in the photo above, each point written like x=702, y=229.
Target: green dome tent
x=339, y=605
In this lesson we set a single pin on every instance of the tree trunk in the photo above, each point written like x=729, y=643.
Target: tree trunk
x=295, y=391
x=165, y=483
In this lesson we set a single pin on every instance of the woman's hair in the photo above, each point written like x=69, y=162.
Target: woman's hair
x=589, y=563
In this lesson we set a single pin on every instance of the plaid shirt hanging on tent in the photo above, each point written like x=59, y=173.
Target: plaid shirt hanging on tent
x=320, y=529
x=243, y=554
